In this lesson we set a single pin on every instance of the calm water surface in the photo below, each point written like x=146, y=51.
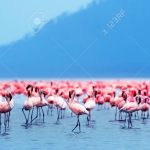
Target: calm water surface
x=105, y=134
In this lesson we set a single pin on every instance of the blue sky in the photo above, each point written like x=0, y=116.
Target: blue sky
x=19, y=18
x=75, y=39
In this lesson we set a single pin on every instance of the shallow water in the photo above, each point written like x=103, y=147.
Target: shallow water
x=104, y=134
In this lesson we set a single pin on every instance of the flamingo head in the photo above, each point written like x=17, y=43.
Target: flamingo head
x=56, y=91
x=124, y=95
x=114, y=94
x=139, y=92
x=37, y=89
x=133, y=93
x=138, y=100
x=29, y=89
x=95, y=93
x=72, y=94
x=145, y=93
x=8, y=97
x=43, y=93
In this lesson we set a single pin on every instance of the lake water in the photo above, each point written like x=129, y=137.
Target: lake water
x=104, y=134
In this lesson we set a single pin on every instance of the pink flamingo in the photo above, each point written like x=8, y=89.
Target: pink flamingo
x=39, y=102
x=119, y=103
x=113, y=99
x=28, y=104
x=50, y=100
x=76, y=108
x=144, y=106
x=99, y=100
x=90, y=105
x=5, y=108
x=60, y=105
x=129, y=107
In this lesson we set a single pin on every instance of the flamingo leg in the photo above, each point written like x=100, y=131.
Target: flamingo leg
x=52, y=110
x=43, y=113
x=32, y=114
x=116, y=114
x=5, y=122
x=39, y=113
x=130, y=121
x=64, y=114
x=141, y=114
x=90, y=115
x=58, y=112
x=8, y=117
x=147, y=114
x=48, y=110
x=28, y=117
x=61, y=113
x=88, y=120
x=137, y=115
x=125, y=120
x=119, y=115
x=24, y=115
x=78, y=124
x=0, y=122
x=36, y=115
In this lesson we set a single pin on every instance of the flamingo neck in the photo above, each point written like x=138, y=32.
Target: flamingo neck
x=147, y=91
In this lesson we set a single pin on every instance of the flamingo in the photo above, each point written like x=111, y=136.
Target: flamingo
x=129, y=107
x=28, y=104
x=76, y=108
x=120, y=101
x=90, y=105
x=60, y=105
x=144, y=106
x=99, y=101
x=40, y=103
x=50, y=100
x=5, y=108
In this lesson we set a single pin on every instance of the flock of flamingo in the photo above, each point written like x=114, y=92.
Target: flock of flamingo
x=130, y=98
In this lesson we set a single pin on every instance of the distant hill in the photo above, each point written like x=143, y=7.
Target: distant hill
x=78, y=45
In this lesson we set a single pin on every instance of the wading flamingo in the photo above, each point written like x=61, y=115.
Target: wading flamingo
x=5, y=108
x=60, y=105
x=90, y=105
x=28, y=104
x=76, y=108
x=129, y=107
x=40, y=103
